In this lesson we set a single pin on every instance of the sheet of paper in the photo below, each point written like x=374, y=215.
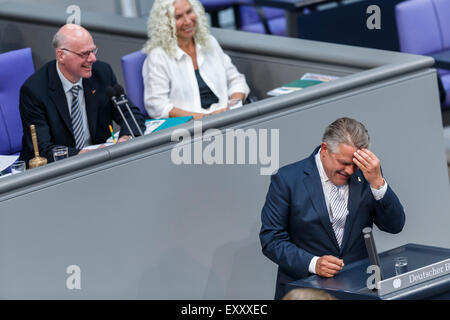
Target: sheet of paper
x=96, y=146
x=282, y=90
x=153, y=125
x=320, y=77
x=7, y=161
x=150, y=126
x=237, y=105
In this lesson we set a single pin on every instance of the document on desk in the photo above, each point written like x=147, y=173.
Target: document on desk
x=7, y=161
x=96, y=146
x=307, y=80
x=318, y=77
x=152, y=125
x=292, y=87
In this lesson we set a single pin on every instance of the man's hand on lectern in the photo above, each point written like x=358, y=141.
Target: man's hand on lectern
x=328, y=266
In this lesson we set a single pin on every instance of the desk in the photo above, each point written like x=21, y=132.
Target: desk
x=442, y=59
x=293, y=9
x=350, y=283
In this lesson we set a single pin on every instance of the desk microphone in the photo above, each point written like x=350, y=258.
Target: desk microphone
x=123, y=100
x=111, y=94
x=371, y=249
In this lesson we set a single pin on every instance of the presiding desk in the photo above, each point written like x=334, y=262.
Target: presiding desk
x=140, y=224
x=351, y=282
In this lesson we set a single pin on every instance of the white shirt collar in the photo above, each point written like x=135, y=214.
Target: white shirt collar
x=322, y=173
x=180, y=53
x=67, y=85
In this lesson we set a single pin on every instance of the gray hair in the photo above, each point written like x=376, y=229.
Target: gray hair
x=58, y=39
x=347, y=131
x=162, y=31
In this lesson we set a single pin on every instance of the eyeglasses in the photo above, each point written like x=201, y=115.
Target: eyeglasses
x=83, y=55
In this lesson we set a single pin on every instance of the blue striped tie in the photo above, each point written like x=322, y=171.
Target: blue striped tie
x=77, y=119
x=339, y=213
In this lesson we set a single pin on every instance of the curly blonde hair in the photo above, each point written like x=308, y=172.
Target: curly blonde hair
x=162, y=31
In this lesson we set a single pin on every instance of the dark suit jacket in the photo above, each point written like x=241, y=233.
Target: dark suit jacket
x=296, y=224
x=43, y=103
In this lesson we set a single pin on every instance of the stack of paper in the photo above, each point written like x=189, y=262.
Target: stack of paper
x=307, y=80
x=6, y=162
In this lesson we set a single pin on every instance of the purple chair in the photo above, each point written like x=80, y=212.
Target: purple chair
x=248, y=16
x=262, y=19
x=443, y=13
x=254, y=18
x=132, y=73
x=15, y=67
x=421, y=30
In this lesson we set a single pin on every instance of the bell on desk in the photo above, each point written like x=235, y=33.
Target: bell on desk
x=37, y=161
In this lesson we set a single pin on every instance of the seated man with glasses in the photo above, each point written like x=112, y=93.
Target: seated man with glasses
x=66, y=99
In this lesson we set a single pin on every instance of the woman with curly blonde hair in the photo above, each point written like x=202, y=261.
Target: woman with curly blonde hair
x=186, y=72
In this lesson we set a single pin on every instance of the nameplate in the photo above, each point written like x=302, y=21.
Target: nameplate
x=414, y=277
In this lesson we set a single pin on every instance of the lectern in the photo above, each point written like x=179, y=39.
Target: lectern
x=427, y=276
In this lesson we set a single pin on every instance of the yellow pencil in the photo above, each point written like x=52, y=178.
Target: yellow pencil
x=112, y=133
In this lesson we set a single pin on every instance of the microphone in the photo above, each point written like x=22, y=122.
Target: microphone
x=121, y=93
x=111, y=94
x=371, y=249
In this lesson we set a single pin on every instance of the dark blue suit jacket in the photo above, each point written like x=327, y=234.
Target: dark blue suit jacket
x=43, y=103
x=296, y=225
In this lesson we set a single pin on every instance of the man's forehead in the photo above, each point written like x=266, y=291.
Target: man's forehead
x=345, y=150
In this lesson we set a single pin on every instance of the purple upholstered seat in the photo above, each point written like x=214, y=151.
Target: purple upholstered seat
x=443, y=12
x=132, y=73
x=251, y=21
x=15, y=67
x=424, y=28
x=216, y=4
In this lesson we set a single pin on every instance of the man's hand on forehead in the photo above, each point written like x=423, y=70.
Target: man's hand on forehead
x=369, y=164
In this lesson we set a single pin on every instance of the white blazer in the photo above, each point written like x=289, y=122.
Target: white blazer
x=171, y=82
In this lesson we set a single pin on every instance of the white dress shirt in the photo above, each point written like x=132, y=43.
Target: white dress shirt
x=343, y=191
x=67, y=85
x=171, y=82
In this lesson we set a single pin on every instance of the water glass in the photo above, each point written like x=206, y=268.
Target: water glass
x=60, y=153
x=18, y=167
x=401, y=265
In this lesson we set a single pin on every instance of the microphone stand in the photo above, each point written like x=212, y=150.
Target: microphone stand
x=117, y=105
x=124, y=100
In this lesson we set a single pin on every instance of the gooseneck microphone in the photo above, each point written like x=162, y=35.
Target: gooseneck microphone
x=111, y=94
x=123, y=100
x=371, y=249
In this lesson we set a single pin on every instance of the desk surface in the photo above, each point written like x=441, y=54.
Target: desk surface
x=351, y=281
x=442, y=59
x=291, y=5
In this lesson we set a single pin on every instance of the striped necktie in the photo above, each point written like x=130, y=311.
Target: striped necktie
x=77, y=119
x=339, y=212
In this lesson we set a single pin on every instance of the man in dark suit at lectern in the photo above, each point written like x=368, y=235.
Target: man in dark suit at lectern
x=66, y=99
x=316, y=208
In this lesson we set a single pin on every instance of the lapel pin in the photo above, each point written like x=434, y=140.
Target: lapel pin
x=359, y=179
x=93, y=91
